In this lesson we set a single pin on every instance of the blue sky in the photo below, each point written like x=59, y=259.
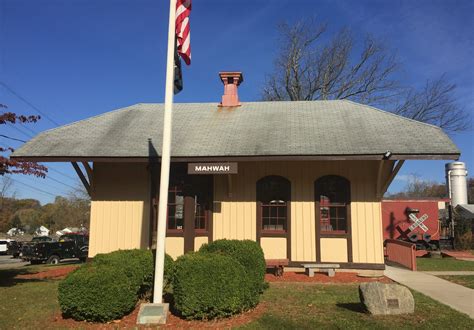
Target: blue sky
x=78, y=58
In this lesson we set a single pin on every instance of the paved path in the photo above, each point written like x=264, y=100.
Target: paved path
x=460, y=255
x=450, y=272
x=455, y=296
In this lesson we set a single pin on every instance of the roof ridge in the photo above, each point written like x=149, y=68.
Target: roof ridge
x=392, y=114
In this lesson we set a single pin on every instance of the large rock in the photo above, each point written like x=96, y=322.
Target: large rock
x=386, y=299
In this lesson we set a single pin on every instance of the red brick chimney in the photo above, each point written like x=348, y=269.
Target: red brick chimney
x=231, y=82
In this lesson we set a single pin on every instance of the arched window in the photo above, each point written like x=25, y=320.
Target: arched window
x=332, y=195
x=273, y=196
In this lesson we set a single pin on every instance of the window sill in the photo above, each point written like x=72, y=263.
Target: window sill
x=174, y=233
x=273, y=233
x=335, y=233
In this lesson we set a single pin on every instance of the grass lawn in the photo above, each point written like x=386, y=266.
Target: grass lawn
x=300, y=305
x=30, y=303
x=434, y=264
x=26, y=303
x=464, y=280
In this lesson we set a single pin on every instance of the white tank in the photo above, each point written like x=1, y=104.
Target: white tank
x=456, y=182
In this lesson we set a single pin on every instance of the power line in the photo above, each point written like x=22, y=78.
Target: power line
x=8, y=88
x=63, y=174
x=29, y=129
x=55, y=188
x=65, y=184
x=14, y=139
x=34, y=188
x=19, y=130
x=52, y=169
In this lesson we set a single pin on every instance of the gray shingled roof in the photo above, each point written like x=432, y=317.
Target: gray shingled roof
x=311, y=128
x=466, y=211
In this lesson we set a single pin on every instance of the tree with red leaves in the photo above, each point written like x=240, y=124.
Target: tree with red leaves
x=8, y=165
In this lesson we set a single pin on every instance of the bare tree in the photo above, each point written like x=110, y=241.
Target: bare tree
x=418, y=188
x=313, y=66
x=6, y=185
x=310, y=69
x=435, y=104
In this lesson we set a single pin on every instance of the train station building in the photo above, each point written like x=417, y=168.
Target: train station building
x=305, y=179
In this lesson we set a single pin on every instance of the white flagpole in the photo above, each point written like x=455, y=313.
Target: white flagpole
x=165, y=160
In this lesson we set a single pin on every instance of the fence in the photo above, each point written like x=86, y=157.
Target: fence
x=401, y=252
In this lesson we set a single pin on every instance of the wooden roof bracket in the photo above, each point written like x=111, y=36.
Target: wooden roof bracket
x=82, y=176
x=392, y=175
x=88, y=171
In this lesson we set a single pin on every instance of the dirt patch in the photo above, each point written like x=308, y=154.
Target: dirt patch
x=173, y=321
x=53, y=272
x=342, y=277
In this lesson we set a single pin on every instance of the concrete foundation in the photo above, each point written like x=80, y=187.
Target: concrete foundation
x=153, y=313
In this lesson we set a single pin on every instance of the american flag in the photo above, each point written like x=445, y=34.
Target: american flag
x=183, y=35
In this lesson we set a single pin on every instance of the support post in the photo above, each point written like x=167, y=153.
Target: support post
x=229, y=185
x=378, y=187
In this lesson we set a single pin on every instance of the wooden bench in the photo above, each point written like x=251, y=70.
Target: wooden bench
x=330, y=269
x=277, y=265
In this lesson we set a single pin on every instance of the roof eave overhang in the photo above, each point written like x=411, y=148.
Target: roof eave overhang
x=454, y=156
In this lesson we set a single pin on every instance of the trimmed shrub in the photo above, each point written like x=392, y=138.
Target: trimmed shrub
x=136, y=264
x=249, y=254
x=109, y=287
x=208, y=285
x=97, y=293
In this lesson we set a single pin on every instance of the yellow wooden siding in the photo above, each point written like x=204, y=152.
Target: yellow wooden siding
x=120, y=207
x=115, y=225
x=334, y=250
x=174, y=246
x=237, y=216
x=199, y=241
x=273, y=247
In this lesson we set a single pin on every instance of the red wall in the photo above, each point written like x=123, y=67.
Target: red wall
x=396, y=222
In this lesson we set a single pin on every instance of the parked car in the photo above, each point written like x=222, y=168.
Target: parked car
x=3, y=247
x=38, y=239
x=14, y=248
x=73, y=245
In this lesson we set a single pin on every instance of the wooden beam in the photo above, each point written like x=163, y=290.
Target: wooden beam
x=235, y=158
x=392, y=176
x=88, y=171
x=82, y=177
x=378, y=186
x=229, y=185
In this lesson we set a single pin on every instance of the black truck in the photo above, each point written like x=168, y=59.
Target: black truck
x=74, y=245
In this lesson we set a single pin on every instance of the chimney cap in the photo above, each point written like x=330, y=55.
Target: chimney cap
x=232, y=74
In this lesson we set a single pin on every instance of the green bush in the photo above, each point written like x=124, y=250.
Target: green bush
x=97, y=293
x=210, y=285
x=249, y=254
x=462, y=233
x=136, y=264
x=87, y=292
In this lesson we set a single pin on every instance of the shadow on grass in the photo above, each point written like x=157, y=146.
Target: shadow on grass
x=353, y=307
x=8, y=277
x=13, y=276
